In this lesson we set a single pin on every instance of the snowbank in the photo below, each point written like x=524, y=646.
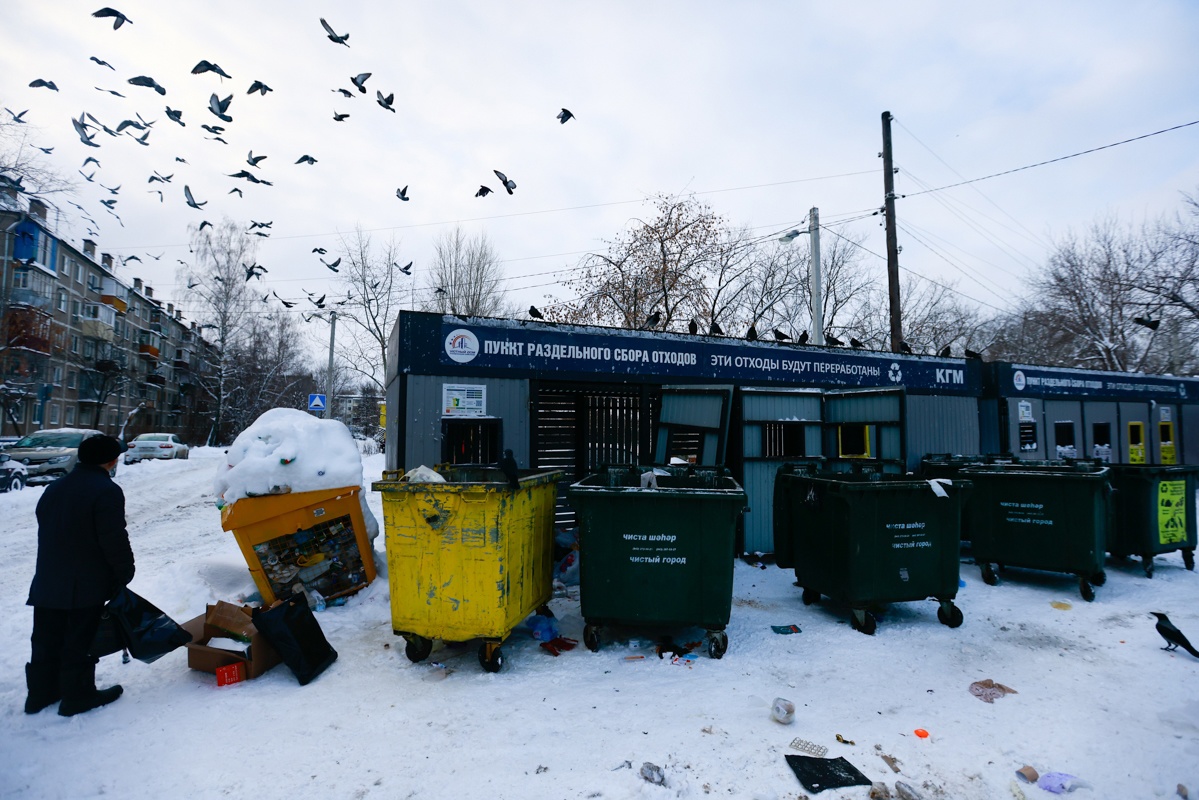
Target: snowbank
x=287, y=450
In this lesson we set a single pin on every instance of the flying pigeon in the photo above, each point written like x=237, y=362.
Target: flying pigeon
x=39, y=83
x=345, y=93
x=534, y=313
x=339, y=117
x=483, y=191
x=253, y=160
x=254, y=271
x=17, y=117
x=208, y=66
x=406, y=269
x=110, y=91
x=218, y=107
x=250, y=177
x=359, y=80
x=148, y=82
x=320, y=250
x=111, y=189
x=1151, y=324
x=237, y=191
x=180, y=160
x=260, y=87
x=508, y=184
x=81, y=129
x=104, y=127
x=385, y=101
x=204, y=223
x=90, y=160
x=215, y=130
x=306, y=159
x=142, y=139
x=564, y=115
x=335, y=37
x=118, y=20
x=216, y=139
x=177, y=116
x=157, y=192
x=284, y=302
x=46, y=150
x=102, y=63
x=109, y=203
x=402, y=194
x=191, y=201
x=254, y=224
x=88, y=178
x=332, y=266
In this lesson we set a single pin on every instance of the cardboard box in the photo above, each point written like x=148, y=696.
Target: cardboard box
x=225, y=619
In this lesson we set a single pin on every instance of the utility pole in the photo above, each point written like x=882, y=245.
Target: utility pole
x=817, y=287
x=892, y=241
x=329, y=378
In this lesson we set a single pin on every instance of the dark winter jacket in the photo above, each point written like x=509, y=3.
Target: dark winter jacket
x=83, y=552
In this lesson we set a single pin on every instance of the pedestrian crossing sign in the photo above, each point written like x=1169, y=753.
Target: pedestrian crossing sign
x=316, y=402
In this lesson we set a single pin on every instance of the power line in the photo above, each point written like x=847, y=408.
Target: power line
x=1055, y=160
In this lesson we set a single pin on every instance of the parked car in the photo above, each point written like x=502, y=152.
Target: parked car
x=50, y=454
x=13, y=474
x=156, y=445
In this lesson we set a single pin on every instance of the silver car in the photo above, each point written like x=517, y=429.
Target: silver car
x=50, y=454
x=156, y=445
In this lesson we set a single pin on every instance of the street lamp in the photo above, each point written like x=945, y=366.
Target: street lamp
x=817, y=289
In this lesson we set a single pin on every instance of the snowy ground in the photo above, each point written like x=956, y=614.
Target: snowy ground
x=1097, y=697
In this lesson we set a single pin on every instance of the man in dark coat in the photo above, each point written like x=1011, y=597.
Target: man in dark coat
x=83, y=560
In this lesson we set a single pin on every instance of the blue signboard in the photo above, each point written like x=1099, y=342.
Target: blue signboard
x=513, y=348
x=316, y=402
x=1015, y=380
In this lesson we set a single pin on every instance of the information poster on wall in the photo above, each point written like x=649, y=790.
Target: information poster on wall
x=1171, y=512
x=463, y=400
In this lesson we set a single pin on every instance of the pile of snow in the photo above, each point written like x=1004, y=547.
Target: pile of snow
x=287, y=450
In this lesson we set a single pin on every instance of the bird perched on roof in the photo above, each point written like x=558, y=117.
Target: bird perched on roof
x=945, y=352
x=1173, y=636
x=564, y=115
x=260, y=87
x=118, y=19
x=510, y=469
x=39, y=83
x=692, y=327
x=971, y=354
x=508, y=184
x=833, y=341
x=715, y=330
x=779, y=336
x=856, y=344
x=483, y=191
x=402, y=194
x=803, y=338
x=534, y=313
x=334, y=36
x=904, y=347
x=652, y=321
x=752, y=333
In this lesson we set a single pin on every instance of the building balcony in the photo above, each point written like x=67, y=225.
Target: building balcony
x=148, y=352
x=32, y=298
x=114, y=294
x=97, y=329
x=29, y=329
x=154, y=379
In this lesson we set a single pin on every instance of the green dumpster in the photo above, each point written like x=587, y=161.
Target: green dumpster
x=1053, y=518
x=1155, y=512
x=657, y=557
x=869, y=539
x=950, y=466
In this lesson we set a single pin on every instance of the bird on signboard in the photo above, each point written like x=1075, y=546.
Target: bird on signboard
x=856, y=344
x=945, y=352
x=904, y=347
x=534, y=313
x=510, y=469
x=1174, y=637
x=715, y=330
x=652, y=321
x=693, y=327
x=832, y=341
x=752, y=333
x=779, y=336
x=971, y=354
x=802, y=338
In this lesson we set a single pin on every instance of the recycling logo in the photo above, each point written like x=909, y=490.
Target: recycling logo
x=895, y=373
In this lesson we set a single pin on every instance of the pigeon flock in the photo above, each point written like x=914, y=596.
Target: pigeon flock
x=224, y=107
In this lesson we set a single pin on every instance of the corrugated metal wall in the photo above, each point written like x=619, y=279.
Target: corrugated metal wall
x=507, y=399
x=1190, y=435
x=871, y=408
x=941, y=425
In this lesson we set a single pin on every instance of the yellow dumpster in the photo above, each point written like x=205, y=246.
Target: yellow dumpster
x=309, y=540
x=469, y=558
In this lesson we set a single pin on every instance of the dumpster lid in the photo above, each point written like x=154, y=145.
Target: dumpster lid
x=251, y=510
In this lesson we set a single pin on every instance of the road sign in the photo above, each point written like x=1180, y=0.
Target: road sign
x=316, y=402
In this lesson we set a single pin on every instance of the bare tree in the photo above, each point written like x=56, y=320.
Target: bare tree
x=933, y=316
x=466, y=277
x=267, y=368
x=217, y=288
x=25, y=164
x=377, y=290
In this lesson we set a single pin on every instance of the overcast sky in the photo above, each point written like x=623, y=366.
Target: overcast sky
x=762, y=109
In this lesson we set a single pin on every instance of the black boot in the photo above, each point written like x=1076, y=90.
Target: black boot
x=42, y=682
x=79, y=692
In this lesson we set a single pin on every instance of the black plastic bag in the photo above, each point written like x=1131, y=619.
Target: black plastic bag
x=135, y=624
x=292, y=629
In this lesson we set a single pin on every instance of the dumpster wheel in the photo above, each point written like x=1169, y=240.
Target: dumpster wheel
x=491, y=657
x=949, y=615
x=810, y=596
x=989, y=576
x=863, y=621
x=1100, y=578
x=1188, y=558
x=1086, y=589
x=718, y=644
x=417, y=648
x=591, y=638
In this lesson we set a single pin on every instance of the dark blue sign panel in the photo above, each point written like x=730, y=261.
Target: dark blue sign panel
x=498, y=347
x=1015, y=380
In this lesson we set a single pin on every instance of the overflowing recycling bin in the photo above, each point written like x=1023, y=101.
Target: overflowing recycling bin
x=468, y=558
x=303, y=541
x=656, y=549
x=1154, y=512
x=1052, y=517
x=866, y=539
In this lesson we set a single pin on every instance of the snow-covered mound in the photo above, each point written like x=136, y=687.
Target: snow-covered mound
x=287, y=450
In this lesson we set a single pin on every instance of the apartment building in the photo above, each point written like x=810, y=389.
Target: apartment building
x=82, y=348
